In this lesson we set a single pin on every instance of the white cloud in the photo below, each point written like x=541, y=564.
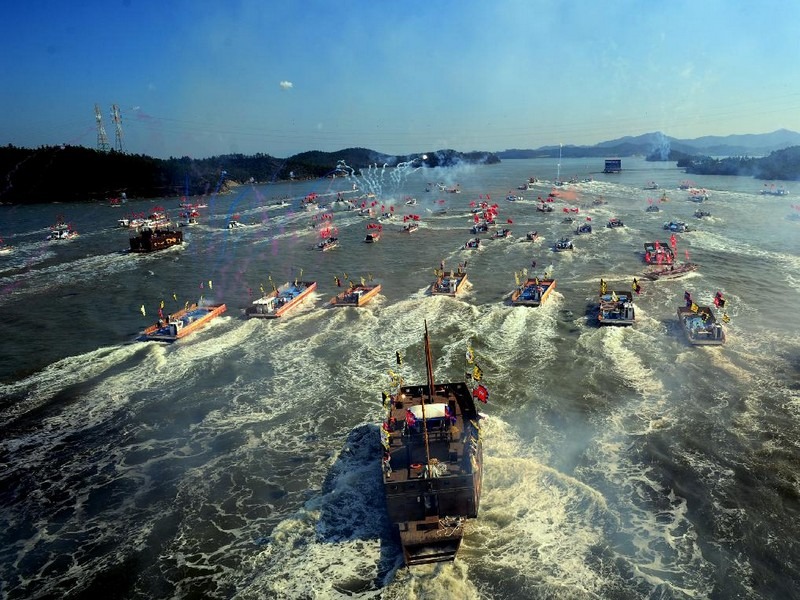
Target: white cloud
x=287, y=85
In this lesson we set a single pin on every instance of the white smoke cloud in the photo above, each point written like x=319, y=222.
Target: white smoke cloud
x=286, y=85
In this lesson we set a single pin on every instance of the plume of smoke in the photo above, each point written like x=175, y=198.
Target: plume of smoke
x=661, y=146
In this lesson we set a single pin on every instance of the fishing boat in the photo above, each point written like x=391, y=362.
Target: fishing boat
x=697, y=195
x=374, y=231
x=542, y=207
x=771, y=190
x=616, y=308
x=652, y=208
x=699, y=214
x=656, y=253
x=514, y=198
x=62, y=234
x=152, y=240
x=502, y=233
x=409, y=227
x=482, y=227
x=432, y=464
x=563, y=244
x=236, y=224
x=356, y=295
x=700, y=325
x=533, y=292
x=677, y=227
x=281, y=300
x=651, y=185
x=472, y=244
x=449, y=284
x=182, y=323
x=671, y=271
x=532, y=236
x=328, y=243
x=614, y=222
x=584, y=228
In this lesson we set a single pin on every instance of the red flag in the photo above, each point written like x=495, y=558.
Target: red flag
x=687, y=254
x=510, y=221
x=481, y=393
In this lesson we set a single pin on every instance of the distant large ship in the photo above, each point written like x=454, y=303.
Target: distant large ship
x=151, y=240
x=432, y=465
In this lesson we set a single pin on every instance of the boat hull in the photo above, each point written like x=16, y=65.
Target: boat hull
x=616, y=308
x=533, y=292
x=281, y=301
x=672, y=272
x=183, y=323
x=153, y=240
x=449, y=286
x=430, y=511
x=701, y=331
x=356, y=296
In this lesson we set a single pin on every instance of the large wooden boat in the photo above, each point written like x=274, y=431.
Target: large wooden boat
x=449, y=284
x=700, y=325
x=616, y=308
x=432, y=465
x=182, y=323
x=281, y=300
x=533, y=292
x=672, y=271
x=356, y=295
x=151, y=240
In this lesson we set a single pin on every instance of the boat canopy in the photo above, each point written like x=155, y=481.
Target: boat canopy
x=432, y=411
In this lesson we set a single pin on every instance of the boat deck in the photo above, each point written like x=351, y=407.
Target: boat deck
x=430, y=500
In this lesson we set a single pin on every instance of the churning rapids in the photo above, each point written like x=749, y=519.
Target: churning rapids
x=244, y=461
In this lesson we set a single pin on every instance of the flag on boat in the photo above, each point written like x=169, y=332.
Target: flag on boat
x=726, y=318
x=636, y=287
x=719, y=301
x=470, y=355
x=411, y=420
x=385, y=435
x=398, y=357
x=477, y=374
x=141, y=309
x=694, y=307
x=481, y=393
x=603, y=286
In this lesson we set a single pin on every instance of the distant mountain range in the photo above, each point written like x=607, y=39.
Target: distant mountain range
x=659, y=146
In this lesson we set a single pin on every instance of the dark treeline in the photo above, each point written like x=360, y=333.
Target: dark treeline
x=779, y=165
x=75, y=173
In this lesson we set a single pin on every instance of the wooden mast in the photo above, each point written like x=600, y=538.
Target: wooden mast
x=429, y=368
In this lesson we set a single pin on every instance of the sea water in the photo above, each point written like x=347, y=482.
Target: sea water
x=243, y=461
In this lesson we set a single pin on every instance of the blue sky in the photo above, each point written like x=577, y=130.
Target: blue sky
x=199, y=78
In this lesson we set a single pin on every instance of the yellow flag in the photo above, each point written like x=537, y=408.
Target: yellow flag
x=210, y=285
x=516, y=277
x=142, y=310
x=603, y=286
x=364, y=283
x=477, y=374
x=694, y=307
x=162, y=304
x=175, y=297
x=726, y=318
